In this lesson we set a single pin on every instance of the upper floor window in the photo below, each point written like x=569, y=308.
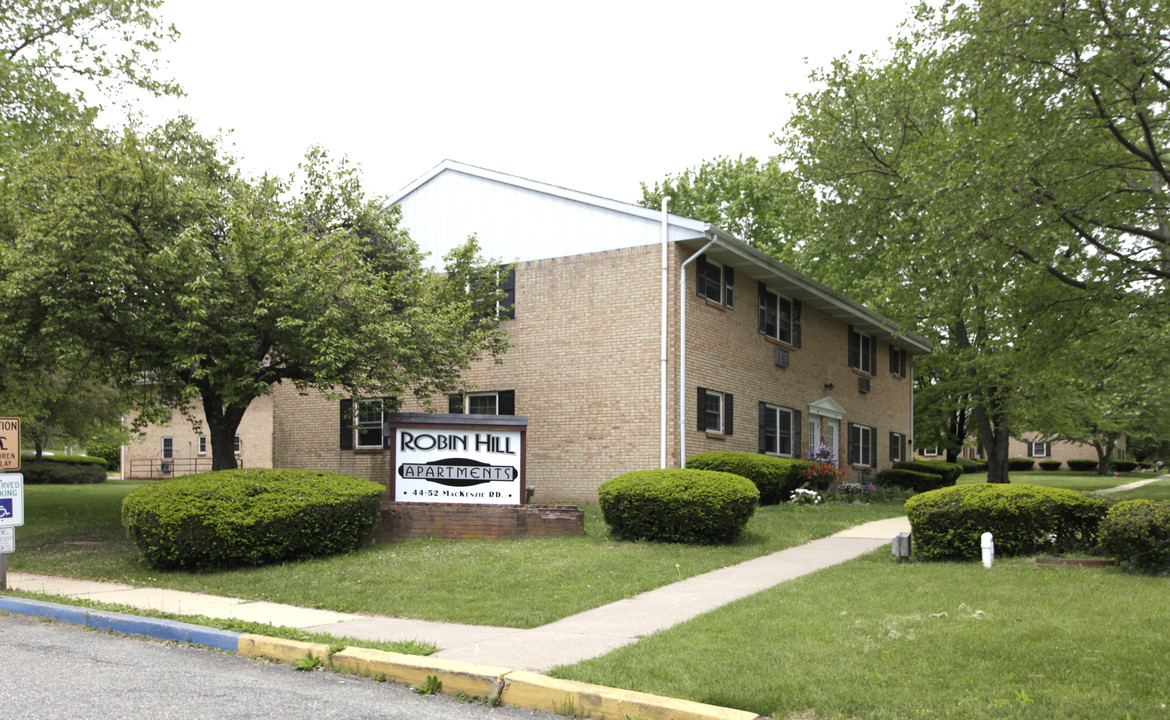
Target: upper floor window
x=862, y=352
x=202, y=444
x=168, y=448
x=715, y=282
x=779, y=317
x=897, y=361
x=714, y=411
x=484, y=286
x=362, y=422
x=236, y=445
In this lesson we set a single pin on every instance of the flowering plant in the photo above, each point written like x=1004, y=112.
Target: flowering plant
x=804, y=496
x=824, y=470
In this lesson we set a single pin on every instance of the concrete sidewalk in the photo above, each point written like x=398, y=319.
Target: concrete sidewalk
x=578, y=637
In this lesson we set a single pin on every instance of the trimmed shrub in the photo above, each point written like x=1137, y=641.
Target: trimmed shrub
x=685, y=506
x=950, y=472
x=909, y=479
x=1137, y=533
x=249, y=516
x=1023, y=519
x=971, y=466
x=1083, y=464
x=1018, y=464
x=774, y=477
x=63, y=470
x=1124, y=465
x=109, y=452
x=1050, y=465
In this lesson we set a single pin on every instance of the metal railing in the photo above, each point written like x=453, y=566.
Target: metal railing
x=157, y=468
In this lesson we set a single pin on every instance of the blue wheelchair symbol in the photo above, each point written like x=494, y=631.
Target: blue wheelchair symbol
x=5, y=507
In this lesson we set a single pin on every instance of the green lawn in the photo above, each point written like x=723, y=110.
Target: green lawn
x=75, y=531
x=1063, y=478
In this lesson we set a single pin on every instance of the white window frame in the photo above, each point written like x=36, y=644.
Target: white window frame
x=865, y=445
x=773, y=304
x=867, y=352
x=237, y=445
x=930, y=451
x=774, y=412
x=202, y=444
x=495, y=398
x=367, y=423
x=718, y=413
x=168, y=448
x=901, y=445
x=1039, y=449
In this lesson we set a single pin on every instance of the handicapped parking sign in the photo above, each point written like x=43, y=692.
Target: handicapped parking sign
x=11, y=500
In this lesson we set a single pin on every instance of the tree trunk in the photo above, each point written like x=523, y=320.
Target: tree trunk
x=223, y=422
x=994, y=436
x=1104, y=453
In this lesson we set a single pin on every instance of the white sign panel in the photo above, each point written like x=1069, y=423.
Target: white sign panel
x=452, y=465
x=7, y=541
x=11, y=499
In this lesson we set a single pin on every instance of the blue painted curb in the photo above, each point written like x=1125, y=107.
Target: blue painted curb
x=127, y=624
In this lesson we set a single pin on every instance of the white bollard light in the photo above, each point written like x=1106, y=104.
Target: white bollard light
x=988, y=545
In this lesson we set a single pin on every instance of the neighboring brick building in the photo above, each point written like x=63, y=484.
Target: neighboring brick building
x=774, y=361
x=1037, y=449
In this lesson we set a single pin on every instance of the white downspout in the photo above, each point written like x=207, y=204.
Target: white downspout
x=663, y=373
x=682, y=355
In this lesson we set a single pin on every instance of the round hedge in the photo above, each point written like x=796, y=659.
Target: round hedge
x=685, y=506
x=249, y=516
x=1137, y=533
x=774, y=477
x=1023, y=520
x=1083, y=465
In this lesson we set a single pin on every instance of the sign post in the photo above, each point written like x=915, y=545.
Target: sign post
x=11, y=516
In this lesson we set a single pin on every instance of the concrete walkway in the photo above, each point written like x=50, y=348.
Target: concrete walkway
x=1133, y=485
x=578, y=637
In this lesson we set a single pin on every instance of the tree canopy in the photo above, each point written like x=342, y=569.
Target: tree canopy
x=185, y=280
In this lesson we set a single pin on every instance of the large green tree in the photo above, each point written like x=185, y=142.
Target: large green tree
x=186, y=280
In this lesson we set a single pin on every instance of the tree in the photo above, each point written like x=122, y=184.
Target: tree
x=759, y=202
x=188, y=281
x=51, y=51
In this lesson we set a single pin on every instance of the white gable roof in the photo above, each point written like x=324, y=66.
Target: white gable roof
x=516, y=219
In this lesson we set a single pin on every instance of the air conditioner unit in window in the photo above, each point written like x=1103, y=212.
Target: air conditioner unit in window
x=863, y=384
x=164, y=467
x=781, y=357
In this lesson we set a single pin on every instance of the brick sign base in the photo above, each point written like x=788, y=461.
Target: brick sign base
x=405, y=521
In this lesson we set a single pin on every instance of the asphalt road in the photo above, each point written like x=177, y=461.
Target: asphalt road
x=50, y=672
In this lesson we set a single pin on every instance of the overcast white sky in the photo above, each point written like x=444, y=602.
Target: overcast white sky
x=596, y=96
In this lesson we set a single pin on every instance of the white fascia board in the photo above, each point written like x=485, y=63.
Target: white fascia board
x=677, y=221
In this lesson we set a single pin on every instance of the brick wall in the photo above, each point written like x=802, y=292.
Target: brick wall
x=144, y=453
x=403, y=521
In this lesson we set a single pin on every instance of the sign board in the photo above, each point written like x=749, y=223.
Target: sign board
x=9, y=443
x=467, y=459
x=7, y=540
x=11, y=499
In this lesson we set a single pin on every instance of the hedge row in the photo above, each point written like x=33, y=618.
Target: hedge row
x=1082, y=464
x=1023, y=519
x=774, y=477
x=63, y=470
x=1137, y=534
x=249, y=516
x=920, y=475
x=685, y=506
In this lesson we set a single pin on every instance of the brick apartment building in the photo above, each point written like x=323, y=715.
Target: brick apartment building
x=758, y=357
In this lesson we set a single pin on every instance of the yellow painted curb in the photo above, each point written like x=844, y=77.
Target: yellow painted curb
x=281, y=649
x=577, y=699
x=474, y=680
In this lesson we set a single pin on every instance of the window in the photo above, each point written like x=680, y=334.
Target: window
x=715, y=411
x=861, y=445
x=714, y=282
x=779, y=430
x=202, y=444
x=779, y=317
x=897, y=443
x=361, y=422
x=502, y=402
x=862, y=352
x=930, y=451
x=897, y=361
x=236, y=444
x=168, y=448
x=1039, y=449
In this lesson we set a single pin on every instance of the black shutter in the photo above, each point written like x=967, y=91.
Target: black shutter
x=854, y=348
x=455, y=404
x=796, y=434
x=763, y=428
x=728, y=287
x=853, y=449
x=346, y=424
x=1030, y=445
x=702, y=402
x=727, y=413
x=701, y=277
x=796, y=322
x=873, y=436
x=506, y=402
x=508, y=304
